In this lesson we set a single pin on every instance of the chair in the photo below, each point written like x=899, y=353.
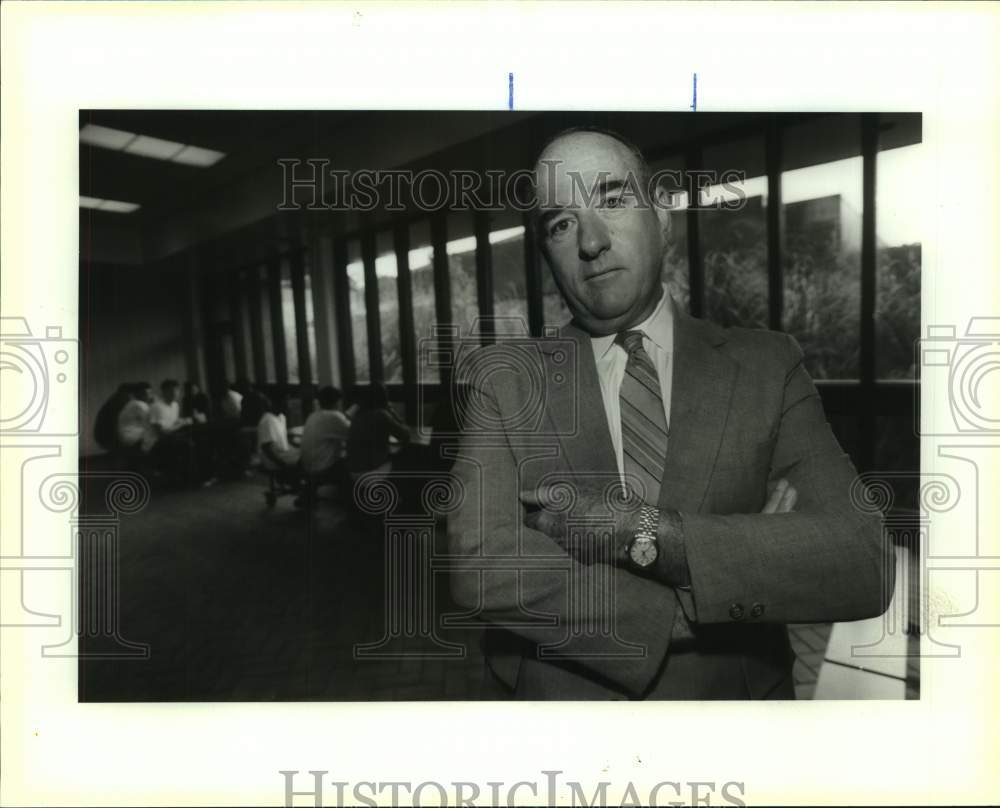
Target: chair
x=281, y=483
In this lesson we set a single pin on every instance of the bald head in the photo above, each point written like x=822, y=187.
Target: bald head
x=600, y=236
x=590, y=151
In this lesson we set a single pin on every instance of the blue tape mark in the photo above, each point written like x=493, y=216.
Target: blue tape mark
x=694, y=93
x=510, y=91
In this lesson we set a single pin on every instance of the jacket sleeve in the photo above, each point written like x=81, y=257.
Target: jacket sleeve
x=826, y=561
x=523, y=581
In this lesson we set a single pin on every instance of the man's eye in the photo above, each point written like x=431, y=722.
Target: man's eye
x=614, y=201
x=560, y=227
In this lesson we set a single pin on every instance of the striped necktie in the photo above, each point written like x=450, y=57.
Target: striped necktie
x=644, y=425
x=644, y=437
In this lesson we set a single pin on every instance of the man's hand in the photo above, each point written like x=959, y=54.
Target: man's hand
x=593, y=523
x=598, y=524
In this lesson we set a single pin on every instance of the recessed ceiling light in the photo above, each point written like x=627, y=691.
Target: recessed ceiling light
x=118, y=207
x=109, y=205
x=105, y=137
x=197, y=156
x=147, y=146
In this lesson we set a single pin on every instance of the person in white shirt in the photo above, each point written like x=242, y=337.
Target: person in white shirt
x=324, y=436
x=231, y=403
x=135, y=431
x=272, y=439
x=165, y=413
x=174, y=448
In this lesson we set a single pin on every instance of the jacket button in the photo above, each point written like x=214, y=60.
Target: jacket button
x=736, y=611
x=757, y=610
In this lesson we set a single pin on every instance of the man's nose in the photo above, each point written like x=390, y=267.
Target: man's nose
x=594, y=237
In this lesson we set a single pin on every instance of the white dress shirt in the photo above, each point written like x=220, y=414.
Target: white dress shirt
x=612, y=359
x=166, y=416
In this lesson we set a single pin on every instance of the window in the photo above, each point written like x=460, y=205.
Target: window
x=310, y=322
x=359, y=323
x=421, y=259
x=510, y=293
x=734, y=239
x=388, y=303
x=461, y=250
x=260, y=278
x=821, y=254
x=897, y=297
x=675, y=263
x=228, y=355
x=288, y=320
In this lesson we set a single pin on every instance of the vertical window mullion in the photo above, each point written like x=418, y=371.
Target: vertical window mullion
x=533, y=286
x=696, y=269
x=407, y=329
x=484, y=277
x=775, y=274
x=442, y=291
x=251, y=279
x=869, y=157
x=236, y=316
x=342, y=312
x=372, y=314
x=298, y=276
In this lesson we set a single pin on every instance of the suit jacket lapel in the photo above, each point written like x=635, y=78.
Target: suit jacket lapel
x=576, y=408
x=701, y=393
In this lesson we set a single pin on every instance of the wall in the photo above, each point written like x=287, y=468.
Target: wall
x=134, y=326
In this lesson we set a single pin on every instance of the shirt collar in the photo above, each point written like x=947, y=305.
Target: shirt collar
x=658, y=328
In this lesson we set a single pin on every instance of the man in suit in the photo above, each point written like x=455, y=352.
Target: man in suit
x=647, y=499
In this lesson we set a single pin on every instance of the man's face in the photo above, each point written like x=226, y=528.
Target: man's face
x=169, y=394
x=600, y=236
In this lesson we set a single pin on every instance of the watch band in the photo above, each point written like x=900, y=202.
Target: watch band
x=642, y=550
x=649, y=523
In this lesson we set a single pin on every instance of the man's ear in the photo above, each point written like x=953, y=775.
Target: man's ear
x=662, y=205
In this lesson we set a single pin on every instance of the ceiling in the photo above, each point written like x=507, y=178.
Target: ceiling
x=246, y=137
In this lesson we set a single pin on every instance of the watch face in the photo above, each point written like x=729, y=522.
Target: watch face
x=643, y=552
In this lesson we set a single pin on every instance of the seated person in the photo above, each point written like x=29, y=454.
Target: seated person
x=324, y=436
x=106, y=423
x=272, y=439
x=135, y=432
x=174, y=449
x=195, y=406
x=372, y=426
x=165, y=412
x=251, y=404
x=231, y=402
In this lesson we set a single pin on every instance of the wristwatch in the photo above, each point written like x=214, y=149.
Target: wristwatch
x=643, y=550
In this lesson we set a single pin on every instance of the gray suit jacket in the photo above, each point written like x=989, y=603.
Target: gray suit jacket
x=743, y=412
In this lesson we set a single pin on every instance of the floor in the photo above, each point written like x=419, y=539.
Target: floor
x=240, y=602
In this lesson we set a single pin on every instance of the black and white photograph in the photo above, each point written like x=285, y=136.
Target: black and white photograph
x=461, y=406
